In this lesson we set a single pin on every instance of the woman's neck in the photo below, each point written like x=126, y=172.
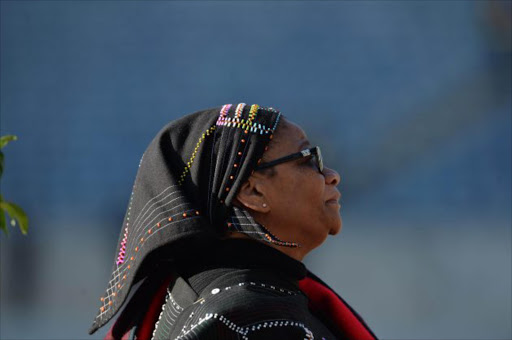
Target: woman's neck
x=295, y=253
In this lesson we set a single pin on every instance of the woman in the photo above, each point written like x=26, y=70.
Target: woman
x=226, y=204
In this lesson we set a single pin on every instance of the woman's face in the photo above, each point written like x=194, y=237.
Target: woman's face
x=302, y=204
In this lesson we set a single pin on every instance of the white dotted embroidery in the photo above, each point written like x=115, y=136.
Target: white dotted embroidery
x=174, y=303
x=158, y=322
x=244, y=331
x=263, y=285
x=231, y=325
x=201, y=320
x=177, y=309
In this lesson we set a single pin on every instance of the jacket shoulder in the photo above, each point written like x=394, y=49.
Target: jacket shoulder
x=245, y=311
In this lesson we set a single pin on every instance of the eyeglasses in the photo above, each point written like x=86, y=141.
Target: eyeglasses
x=314, y=152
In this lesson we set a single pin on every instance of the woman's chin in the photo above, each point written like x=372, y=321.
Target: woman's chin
x=337, y=228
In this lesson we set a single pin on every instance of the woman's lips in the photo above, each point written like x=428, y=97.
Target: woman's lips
x=335, y=202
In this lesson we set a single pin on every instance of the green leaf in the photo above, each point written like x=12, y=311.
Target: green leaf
x=15, y=212
x=6, y=139
x=1, y=163
x=3, y=226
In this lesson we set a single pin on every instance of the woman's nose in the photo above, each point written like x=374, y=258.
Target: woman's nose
x=332, y=177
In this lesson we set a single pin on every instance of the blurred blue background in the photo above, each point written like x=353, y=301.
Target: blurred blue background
x=410, y=101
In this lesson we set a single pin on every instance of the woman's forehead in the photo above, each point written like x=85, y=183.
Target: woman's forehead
x=293, y=132
x=289, y=138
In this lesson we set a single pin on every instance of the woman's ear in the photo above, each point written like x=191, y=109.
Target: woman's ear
x=252, y=195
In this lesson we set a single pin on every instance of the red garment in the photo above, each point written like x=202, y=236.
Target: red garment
x=325, y=302
x=110, y=336
x=145, y=329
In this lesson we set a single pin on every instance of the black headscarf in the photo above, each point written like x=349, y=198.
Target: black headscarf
x=184, y=190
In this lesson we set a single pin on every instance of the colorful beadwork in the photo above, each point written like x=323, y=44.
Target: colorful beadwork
x=252, y=113
x=236, y=121
x=277, y=121
x=239, y=108
x=223, y=113
x=122, y=250
x=245, y=125
x=191, y=160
